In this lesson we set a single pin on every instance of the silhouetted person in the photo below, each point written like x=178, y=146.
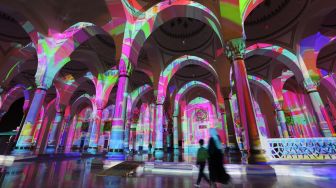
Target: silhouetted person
x=217, y=172
x=202, y=156
x=150, y=148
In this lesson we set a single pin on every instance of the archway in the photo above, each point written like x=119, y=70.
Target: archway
x=10, y=121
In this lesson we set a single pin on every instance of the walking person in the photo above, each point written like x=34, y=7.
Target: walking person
x=202, y=156
x=150, y=148
x=217, y=172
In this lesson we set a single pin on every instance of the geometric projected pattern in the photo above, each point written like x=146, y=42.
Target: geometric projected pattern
x=302, y=148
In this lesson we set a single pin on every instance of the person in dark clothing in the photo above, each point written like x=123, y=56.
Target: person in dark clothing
x=216, y=169
x=150, y=148
x=202, y=156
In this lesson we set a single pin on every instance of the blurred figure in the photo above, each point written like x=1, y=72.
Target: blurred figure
x=202, y=156
x=216, y=169
x=150, y=148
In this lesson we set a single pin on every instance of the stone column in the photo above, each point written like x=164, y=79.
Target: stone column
x=118, y=122
x=159, y=132
x=95, y=130
x=127, y=133
x=56, y=125
x=146, y=125
x=70, y=135
x=152, y=125
x=128, y=123
x=283, y=132
x=231, y=136
x=24, y=142
x=175, y=131
x=236, y=50
x=132, y=139
x=61, y=141
x=20, y=126
x=320, y=111
x=224, y=127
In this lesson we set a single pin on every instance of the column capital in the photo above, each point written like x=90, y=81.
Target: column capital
x=123, y=75
x=160, y=100
x=235, y=48
x=277, y=106
x=125, y=69
x=44, y=88
x=310, y=87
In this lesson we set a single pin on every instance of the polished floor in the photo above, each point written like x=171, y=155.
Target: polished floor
x=83, y=173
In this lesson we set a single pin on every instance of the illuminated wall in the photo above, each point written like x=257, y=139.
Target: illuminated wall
x=200, y=115
x=299, y=107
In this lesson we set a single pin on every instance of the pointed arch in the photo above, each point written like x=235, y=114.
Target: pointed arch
x=175, y=66
x=187, y=87
x=159, y=14
x=284, y=56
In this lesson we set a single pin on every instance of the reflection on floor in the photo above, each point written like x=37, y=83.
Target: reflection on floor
x=83, y=173
x=178, y=156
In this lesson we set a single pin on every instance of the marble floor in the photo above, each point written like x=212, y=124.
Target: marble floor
x=82, y=173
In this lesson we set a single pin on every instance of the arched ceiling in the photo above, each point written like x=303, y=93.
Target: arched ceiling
x=86, y=87
x=11, y=30
x=181, y=35
x=177, y=37
x=264, y=67
x=189, y=73
x=200, y=92
x=99, y=50
x=75, y=69
x=58, y=15
x=272, y=17
x=328, y=26
x=137, y=79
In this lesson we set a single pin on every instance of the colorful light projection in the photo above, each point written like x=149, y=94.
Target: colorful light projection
x=143, y=128
x=140, y=128
x=282, y=128
x=179, y=96
x=309, y=49
x=299, y=123
x=53, y=53
x=138, y=30
x=201, y=116
x=165, y=77
x=118, y=121
x=280, y=54
x=300, y=71
x=238, y=129
x=103, y=84
x=78, y=111
x=14, y=94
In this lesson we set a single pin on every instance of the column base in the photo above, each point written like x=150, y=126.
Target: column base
x=158, y=153
x=233, y=150
x=326, y=133
x=22, y=151
x=126, y=150
x=75, y=148
x=50, y=149
x=117, y=154
x=92, y=150
x=233, y=154
x=60, y=149
x=256, y=157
